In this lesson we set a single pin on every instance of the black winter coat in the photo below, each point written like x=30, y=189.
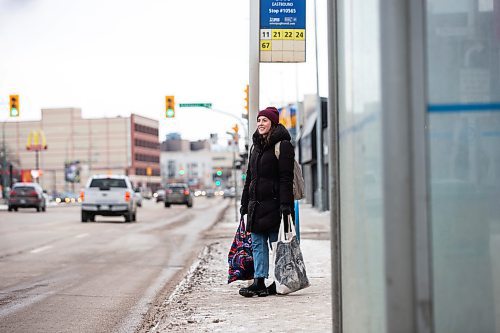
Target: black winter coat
x=269, y=182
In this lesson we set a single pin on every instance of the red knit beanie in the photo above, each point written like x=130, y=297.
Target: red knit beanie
x=270, y=113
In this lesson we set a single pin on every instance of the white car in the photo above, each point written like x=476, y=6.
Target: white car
x=109, y=196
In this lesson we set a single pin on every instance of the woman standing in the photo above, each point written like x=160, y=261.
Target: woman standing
x=267, y=194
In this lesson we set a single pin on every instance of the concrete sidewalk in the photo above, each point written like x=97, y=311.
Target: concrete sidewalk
x=204, y=302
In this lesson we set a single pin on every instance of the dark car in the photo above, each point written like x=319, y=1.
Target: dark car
x=27, y=195
x=178, y=194
x=210, y=193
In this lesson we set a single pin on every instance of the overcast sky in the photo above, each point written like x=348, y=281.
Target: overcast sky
x=117, y=57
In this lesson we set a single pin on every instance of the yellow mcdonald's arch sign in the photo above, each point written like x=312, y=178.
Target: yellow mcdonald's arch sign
x=36, y=141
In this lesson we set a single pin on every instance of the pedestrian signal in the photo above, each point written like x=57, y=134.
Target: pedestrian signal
x=14, y=105
x=169, y=106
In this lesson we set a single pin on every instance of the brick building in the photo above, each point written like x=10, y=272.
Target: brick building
x=119, y=145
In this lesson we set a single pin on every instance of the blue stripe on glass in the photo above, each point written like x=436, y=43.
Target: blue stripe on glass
x=466, y=107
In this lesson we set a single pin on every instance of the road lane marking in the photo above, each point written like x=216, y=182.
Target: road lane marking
x=41, y=249
x=82, y=235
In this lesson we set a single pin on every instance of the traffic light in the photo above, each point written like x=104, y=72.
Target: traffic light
x=170, y=106
x=14, y=105
x=245, y=114
x=219, y=172
x=235, y=129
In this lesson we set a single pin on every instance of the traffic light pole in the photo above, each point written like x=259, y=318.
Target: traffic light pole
x=235, y=176
x=4, y=162
x=238, y=119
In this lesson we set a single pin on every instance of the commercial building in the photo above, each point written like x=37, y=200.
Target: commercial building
x=197, y=163
x=80, y=147
x=307, y=150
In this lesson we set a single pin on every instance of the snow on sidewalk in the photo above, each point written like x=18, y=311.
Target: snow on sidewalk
x=204, y=302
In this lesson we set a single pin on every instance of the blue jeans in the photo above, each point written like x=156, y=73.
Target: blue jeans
x=261, y=252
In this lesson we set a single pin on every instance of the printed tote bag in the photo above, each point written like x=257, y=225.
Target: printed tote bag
x=240, y=257
x=289, y=268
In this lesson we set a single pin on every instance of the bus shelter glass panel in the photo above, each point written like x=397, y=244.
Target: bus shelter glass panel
x=463, y=71
x=360, y=133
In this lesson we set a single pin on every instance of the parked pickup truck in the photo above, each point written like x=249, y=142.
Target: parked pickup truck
x=108, y=196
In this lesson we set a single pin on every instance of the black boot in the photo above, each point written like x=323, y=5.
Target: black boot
x=271, y=290
x=258, y=288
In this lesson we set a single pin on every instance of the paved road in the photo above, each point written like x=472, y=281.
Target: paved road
x=60, y=275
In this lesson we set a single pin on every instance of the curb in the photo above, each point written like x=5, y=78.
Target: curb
x=154, y=316
x=201, y=258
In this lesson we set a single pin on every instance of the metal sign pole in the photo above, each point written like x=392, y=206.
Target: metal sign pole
x=254, y=68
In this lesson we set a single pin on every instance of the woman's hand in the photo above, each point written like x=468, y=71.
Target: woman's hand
x=285, y=209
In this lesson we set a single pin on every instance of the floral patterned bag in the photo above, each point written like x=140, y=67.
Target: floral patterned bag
x=240, y=258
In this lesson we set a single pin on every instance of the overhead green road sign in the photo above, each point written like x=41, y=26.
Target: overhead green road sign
x=196, y=105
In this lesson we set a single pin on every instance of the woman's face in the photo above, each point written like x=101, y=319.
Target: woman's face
x=263, y=125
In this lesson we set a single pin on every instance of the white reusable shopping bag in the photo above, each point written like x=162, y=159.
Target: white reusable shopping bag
x=289, y=268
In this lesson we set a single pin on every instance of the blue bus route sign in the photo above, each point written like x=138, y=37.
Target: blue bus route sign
x=284, y=14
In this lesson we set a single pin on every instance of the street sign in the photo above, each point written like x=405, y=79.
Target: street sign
x=195, y=105
x=283, y=31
